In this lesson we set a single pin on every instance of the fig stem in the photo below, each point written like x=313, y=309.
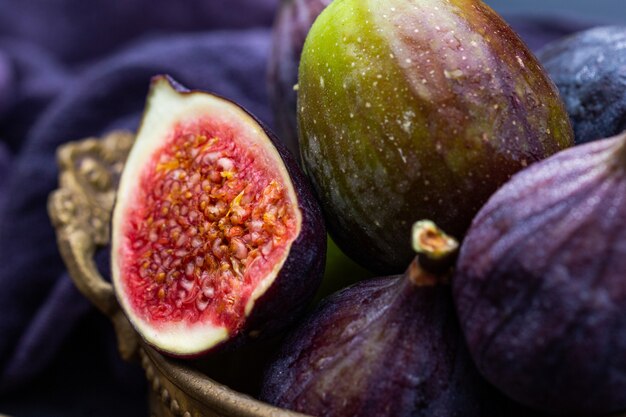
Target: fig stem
x=436, y=253
x=430, y=241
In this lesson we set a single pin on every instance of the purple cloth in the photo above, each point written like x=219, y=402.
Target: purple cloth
x=69, y=70
x=72, y=69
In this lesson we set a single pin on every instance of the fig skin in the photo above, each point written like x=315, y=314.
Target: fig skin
x=293, y=21
x=417, y=109
x=383, y=347
x=296, y=283
x=540, y=286
x=589, y=69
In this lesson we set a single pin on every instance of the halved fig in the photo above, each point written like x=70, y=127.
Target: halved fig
x=215, y=231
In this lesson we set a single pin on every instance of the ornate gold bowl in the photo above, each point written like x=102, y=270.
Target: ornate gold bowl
x=80, y=211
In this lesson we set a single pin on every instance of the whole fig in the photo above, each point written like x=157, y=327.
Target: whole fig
x=293, y=21
x=216, y=235
x=412, y=109
x=540, y=286
x=589, y=69
x=384, y=347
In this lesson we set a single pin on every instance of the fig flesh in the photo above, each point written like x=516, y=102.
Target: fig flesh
x=293, y=21
x=417, y=109
x=383, y=347
x=589, y=69
x=215, y=233
x=540, y=286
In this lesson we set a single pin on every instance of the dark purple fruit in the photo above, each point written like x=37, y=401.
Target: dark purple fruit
x=541, y=283
x=384, y=347
x=215, y=231
x=589, y=69
x=293, y=21
x=417, y=109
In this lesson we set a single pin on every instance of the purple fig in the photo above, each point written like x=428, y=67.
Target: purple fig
x=541, y=283
x=385, y=347
x=293, y=21
x=589, y=69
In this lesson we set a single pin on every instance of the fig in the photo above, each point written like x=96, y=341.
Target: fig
x=540, y=286
x=384, y=347
x=293, y=21
x=417, y=109
x=589, y=69
x=216, y=235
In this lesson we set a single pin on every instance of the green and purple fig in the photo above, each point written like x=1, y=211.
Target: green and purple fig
x=540, y=286
x=589, y=69
x=293, y=21
x=412, y=109
x=216, y=235
x=385, y=347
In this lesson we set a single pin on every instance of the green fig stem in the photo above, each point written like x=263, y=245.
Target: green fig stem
x=436, y=253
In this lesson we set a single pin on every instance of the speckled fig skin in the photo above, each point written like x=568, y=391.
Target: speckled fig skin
x=540, y=286
x=300, y=276
x=589, y=69
x=417, y=109
x=293, y=21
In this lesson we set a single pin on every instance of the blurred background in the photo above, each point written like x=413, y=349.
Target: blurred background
x=609, y=11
